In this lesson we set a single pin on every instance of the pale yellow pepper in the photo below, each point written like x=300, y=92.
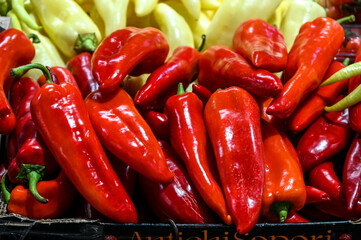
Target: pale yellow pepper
x=174, y=27
x=231, y=14
x=63, y=21
x=210, y=4
x=144, y=7
x=113, y=13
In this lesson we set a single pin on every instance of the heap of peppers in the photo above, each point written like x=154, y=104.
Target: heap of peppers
x=241, y=144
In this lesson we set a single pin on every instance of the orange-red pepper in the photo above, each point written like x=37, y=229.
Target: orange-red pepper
x=16, y=49
x=232, y=117
x=124, y=132
x=314, y=49
x=284, y=187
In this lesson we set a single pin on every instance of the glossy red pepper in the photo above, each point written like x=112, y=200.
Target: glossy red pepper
x=178, y=200
x=284, y=191
x=315, y=103
x=313, y=51
x=352, y=172
x=188, y=136
x=202, y=92
x=315, y=195
x=80, y=67
x=221, y=67
x=261, y=44
x=328, y=135
x=62, y=75
x=29, y=159
x=232, y=117
x=158, y=122
x=60, y=193
x=62, y=120
x=16, y=49
x=323, y=176
x=182, y=67
x=126, y=51
x=124, y=132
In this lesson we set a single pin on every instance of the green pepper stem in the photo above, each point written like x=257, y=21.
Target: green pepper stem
x=33, y=178
x=86, y=42
x=345, y=73
x=34, y=38
x=281, y=209
x=200, y=48
x=346, y=61
x=19, y=71
x=4, y=190
x=180, y=90
x=347, y=19
x=23, y=15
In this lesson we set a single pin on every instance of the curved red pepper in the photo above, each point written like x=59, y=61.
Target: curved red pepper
x=261, y=44
x=182, y=67
x=315, y=103
x=29, y=158
x=188, y=136
x=158, y=122
x=315, y=195
x=327, y=136
x=178, y=200
x=16, y=49
x=124, y=132
x=221, y=67
x=60, y=193
x=352, y=172
x=126, y=51
x=202, y=92
x=314, y=49
x=80, y=67
x=232, y=117
x=62, y=75
x=62, y=120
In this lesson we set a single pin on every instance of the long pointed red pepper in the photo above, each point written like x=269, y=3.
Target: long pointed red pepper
x=16, y=49
x=158, y=122
x=221, y=67
x=62, y=120
x=188, y=136
x=314, y=49
x=178, y=200
x=182, y=67
x=262, y=44
x=232, y=117
x=124, y=132
x=126, y=51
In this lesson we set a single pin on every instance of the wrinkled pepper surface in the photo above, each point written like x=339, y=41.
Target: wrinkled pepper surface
x=125, y=133
x=232, y=117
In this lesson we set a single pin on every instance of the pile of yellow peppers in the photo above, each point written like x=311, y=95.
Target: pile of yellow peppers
x=59, y=22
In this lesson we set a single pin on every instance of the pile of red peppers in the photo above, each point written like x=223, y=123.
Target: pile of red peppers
x=240, y=145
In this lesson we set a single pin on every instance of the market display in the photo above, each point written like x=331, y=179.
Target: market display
x=199, y=111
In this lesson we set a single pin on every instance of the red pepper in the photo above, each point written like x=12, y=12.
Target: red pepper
x=295, y=218
x=158, y=122
x=60, y=193
x=182, y=67
x=80, y=67
x=313, y=51
x=62, y=120
x=340, y=2
x=188, y=136
x=232, y=118
x=315, y=195
x=315, y=103
x=221, y=67
x=126, y=51
x=16, y=49
x=323, y=177
x=284, y=190
x=261, y=44
x=178, y=200
x=124, y=132
x=29, y=159
x=352, y=172
x=327, y=136
x=202, y=92
x=62, y=75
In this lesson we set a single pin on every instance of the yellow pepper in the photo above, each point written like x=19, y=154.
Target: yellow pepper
x=19, y=9
x=144, y=7
x=140, y=22
x=174, y=26
x=193, y=7
x=231, y=14
x=113, y=13
x=210, y=4
x=15, y=22
x=63, y=21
